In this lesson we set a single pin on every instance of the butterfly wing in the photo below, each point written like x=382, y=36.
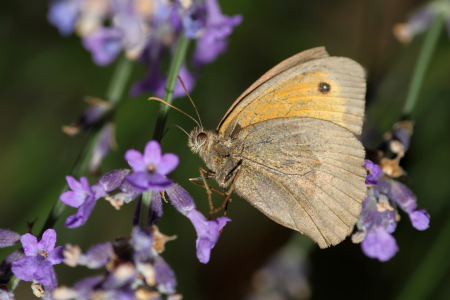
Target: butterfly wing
x=304, y=173
x=326, y=88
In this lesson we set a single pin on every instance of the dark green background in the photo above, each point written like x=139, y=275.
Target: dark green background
x=43, y=78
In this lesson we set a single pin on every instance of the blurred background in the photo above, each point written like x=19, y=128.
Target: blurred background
x=44, y=77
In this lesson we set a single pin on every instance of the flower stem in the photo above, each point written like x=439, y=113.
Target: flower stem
x=113, y=94
x=174, y=69
x=429, y=44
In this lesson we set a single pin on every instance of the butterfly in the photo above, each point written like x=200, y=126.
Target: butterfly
x=287, y=145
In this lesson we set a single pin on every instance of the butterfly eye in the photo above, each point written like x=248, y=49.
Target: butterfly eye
x=201, y=138
x=324, y=87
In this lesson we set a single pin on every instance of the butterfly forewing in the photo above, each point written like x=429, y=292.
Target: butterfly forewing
x=303, y=173
x=331, y=89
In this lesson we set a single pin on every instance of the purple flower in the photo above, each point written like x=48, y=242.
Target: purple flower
x=104, y=44
x=82, y=197
x=406, y=200
x=374, y=172
x=155, y=210
x=379, y=244
x=218, y=28
x=39, y=259
x=151, y=167
x=102, y=147
x=208, y=232
x=165, y=278
x=82, y=290
x=5, y=266
x=63, y=15
x=142, y=242
x=8, y=238
x=6, y=295
x=96, y=257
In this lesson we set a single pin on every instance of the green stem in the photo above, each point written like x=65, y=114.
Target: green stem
x=113, y=94
x=429, y=44
x=431, y=270
x=174, y=69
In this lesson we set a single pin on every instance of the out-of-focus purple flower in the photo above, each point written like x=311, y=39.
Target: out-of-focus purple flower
x=90, y=116
x=6, y=295
x=151, y=167
x=102, y=147
x=113, y=180
x=142, y=242
x=5, y=266
x=208, y=232
x=8, y=238
x=374, y=172
x=82, y=290
x=379, y=244
x=39, y=259
x=154, y=213
x=82, y=197
x=96, y=257
x=104, y=44
x=218, y=27
x=165, y=278
x=151, y=83
x=63, y=15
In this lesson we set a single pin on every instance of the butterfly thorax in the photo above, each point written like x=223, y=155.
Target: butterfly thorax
x=215, y=152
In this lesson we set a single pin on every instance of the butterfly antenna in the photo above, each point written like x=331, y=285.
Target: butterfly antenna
x=185, y=90
x=170, y=105
x=175, y=126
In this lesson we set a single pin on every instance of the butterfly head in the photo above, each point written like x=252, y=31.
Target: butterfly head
x=198, y=139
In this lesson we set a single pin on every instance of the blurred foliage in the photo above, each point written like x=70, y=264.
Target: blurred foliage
x=44, y=77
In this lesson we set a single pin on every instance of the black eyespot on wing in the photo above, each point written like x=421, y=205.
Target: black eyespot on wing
x=324, y=87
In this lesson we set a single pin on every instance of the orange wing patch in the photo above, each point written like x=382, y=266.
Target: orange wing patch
x=331, y=89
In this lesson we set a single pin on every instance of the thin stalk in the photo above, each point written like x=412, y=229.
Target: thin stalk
x=161, y=119
x=429, y=44
x=113, y=94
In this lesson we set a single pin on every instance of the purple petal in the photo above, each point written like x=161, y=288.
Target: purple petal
x=82, y=214
x=6, y=295
x=45, y=274
x=208, y=233
x=5, y=266
x=8, y=238
x=180, y=198
x=74, y=184
x=374, y=172
x=98, y=190
x=24, y=268
x=48, y=240
x=153, y=83
x=165, y=278
x=152, y=153
x=72, y=199
x=30, y=244
x=145, y=181
x=167, y=164
x=56, y=256
x=63, y=15
x=420, y=219
x=379, y=244
x=97, y=256
x=206, y=52
x=114, y=179
x=101, y=148
x=104, y=44
x=135, y=160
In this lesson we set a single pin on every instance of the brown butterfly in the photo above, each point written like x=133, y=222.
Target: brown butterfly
x=287, y=145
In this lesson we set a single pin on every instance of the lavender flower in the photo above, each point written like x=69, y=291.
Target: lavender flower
x=82, y=290
x=150, y=169
x=378, y=217
x=373, y=172
x=420, y=20
x=144, y=30
x=165, y=278
x=82, y=197
x=6, y=265
x=208, y=232
x=218, y=27
x=96, y=257
x=8, y=238
x=105, y=45
x=39, y=259
x=102, y=147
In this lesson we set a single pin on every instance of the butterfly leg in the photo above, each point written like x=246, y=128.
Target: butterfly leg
x=208, y=190
x=230, y=177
